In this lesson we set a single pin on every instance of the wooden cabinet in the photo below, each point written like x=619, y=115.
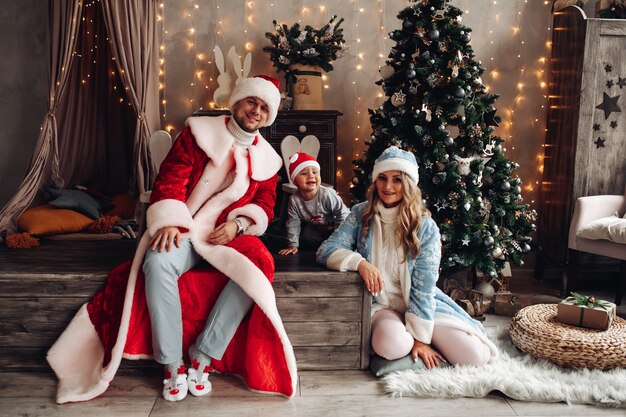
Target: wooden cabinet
x=585, y=144
x=300, y=123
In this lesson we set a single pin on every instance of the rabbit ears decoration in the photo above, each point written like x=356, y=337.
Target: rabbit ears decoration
x=229, y=75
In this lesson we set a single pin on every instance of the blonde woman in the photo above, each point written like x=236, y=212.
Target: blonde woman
x=395, y=245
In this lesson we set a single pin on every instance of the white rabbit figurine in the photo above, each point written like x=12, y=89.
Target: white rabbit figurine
x=240, y=72
x=224, y=80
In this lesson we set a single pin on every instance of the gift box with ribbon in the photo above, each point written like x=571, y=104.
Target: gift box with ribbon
x=583, y=311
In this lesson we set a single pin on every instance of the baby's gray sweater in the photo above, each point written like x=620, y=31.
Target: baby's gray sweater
x=325, y=211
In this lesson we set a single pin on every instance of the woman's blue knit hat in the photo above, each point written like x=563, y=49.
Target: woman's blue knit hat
x=395, y=159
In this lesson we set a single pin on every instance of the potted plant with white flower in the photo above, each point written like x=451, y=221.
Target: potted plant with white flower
x=303, y=54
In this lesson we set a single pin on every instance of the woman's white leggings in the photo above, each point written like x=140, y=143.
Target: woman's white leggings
x=391, y=340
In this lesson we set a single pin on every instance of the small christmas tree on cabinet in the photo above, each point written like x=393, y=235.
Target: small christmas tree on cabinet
x=438, y=108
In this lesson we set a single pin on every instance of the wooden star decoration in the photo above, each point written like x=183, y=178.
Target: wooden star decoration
x=399, y=96
x=608, y=68
x=600, y=143
x=596, y=127
x=621, y=82
x=609, y=84
x=490, y=118
x=614, y=124
x=609, y=105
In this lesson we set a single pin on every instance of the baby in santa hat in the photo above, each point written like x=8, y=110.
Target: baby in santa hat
x=319, y=207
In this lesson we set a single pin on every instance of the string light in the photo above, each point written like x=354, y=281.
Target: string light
x=162, y=81
x=370, y=21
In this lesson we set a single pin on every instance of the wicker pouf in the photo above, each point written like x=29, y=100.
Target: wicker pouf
x=534, y=330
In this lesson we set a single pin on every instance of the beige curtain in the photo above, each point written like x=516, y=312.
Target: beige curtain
x=96, y=123
x=132, y=29
x=65, y=17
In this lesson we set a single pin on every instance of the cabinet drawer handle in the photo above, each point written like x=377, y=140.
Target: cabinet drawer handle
x=302, y=128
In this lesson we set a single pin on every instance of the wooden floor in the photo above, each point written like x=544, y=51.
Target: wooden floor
x=327, y=393
x=331, y=393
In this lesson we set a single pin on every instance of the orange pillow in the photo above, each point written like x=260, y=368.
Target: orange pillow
x=124, y=206
x=48, y=220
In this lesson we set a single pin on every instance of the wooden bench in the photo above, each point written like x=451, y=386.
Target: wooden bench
x=326, y=313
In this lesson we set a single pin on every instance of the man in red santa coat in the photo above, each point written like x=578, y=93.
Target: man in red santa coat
x=215, y=192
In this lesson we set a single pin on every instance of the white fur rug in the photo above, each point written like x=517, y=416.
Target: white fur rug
x=516, y=374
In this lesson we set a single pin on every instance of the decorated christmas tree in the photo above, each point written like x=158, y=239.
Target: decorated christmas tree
x=438, y=108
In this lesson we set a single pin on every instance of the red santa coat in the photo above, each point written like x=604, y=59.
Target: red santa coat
x=88, y=353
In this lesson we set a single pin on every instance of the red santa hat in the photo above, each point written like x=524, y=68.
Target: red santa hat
x=261, y=86
x=299, y=161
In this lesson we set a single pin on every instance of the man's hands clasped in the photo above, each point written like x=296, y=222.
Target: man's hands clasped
x=168, y=236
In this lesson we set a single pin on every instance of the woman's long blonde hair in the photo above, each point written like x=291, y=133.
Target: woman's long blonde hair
x=410, y=213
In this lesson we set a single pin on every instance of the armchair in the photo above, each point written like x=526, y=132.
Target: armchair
x=586, y=210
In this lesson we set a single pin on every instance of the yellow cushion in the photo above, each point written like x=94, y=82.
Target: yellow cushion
x=48, y=220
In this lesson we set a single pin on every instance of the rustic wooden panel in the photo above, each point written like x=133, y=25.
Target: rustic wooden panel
x=313, y=285
x=24, y=358
x=66, y=258
x=28, y=310
x=59, y=287
x=334, y=357
x=574, y=166
x=33, y=359
x=366, y=323
x=41, y=290
x=329, y=333
x=300, y=333
x=319, y=309
x=55, y=310
x=318, y=285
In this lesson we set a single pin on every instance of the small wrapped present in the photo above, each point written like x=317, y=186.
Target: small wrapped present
x=582, y=311
x=509, y=304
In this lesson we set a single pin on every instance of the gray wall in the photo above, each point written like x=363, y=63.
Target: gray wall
x=23, y=87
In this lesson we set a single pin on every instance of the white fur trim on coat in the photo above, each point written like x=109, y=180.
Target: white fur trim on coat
x=254, y=213
x=168, y=212
x=215, y=140
x=344, y=260
x=76, y=358
x=264, y=160
x=419, y=328
x=251, y=279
